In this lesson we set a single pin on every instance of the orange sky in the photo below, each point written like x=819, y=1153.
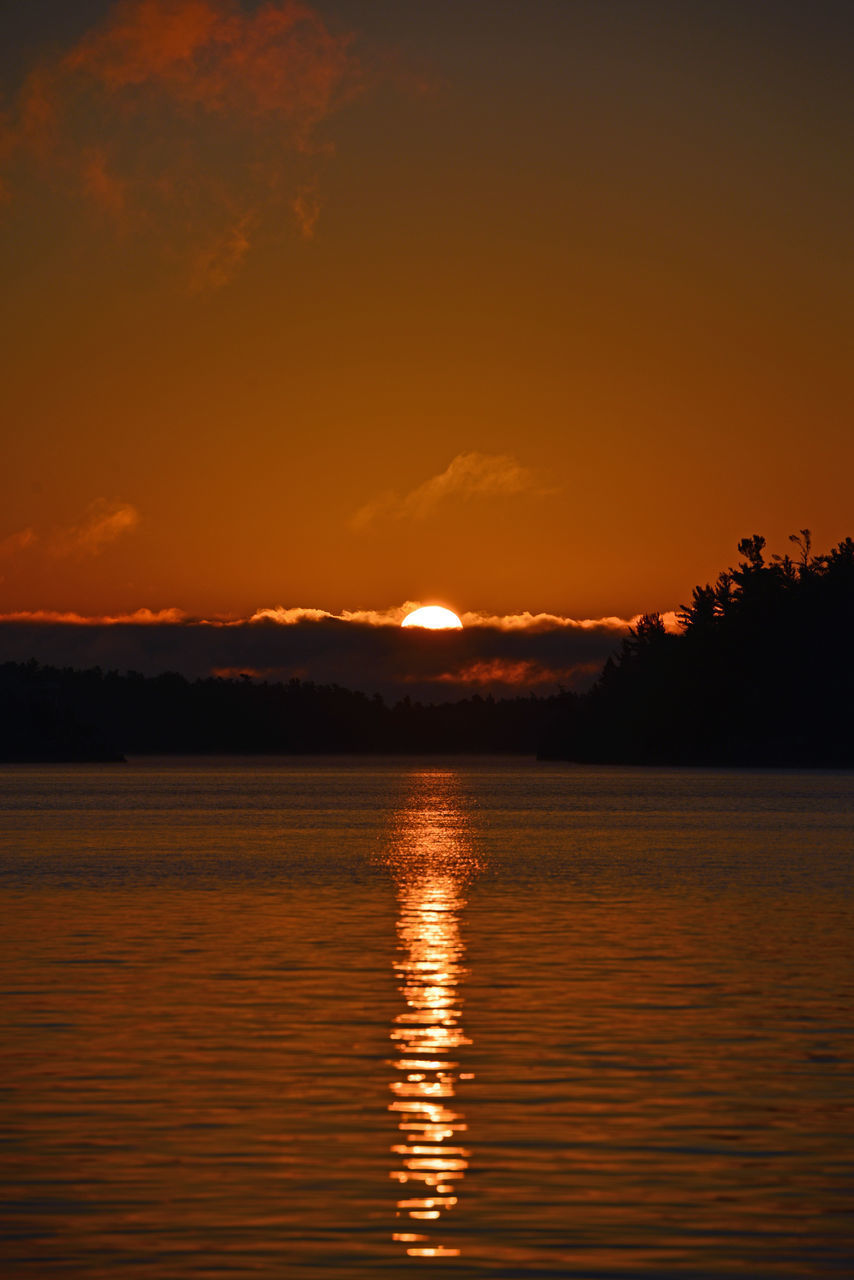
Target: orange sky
x=514, y=307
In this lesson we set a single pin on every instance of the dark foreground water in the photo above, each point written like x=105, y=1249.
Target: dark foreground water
x=351, y=1019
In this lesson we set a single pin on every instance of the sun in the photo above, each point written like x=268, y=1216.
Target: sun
x=434, y=618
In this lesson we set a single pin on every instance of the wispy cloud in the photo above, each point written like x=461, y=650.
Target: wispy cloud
x=102, y=523
x=306, y=209
x=220, y=259
x=524, y=673
x=184, y=115
x=102, y=185
x=279, y=59
x=14, y=543
x=391, y=617
x=468, y=475
x=538, y=621
x=138, y=617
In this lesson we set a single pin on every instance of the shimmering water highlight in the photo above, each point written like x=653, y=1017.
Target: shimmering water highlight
x=363, y=1018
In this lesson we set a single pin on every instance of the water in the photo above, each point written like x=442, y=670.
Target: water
x=492, y=1019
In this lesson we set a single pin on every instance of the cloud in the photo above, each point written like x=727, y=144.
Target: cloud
x=393, y=616
x=541, y=622
x=368, y=617
x=189, y=117
x=373, y=654
x=521, y=675
x=11, y=545
x=290, y=617
x=102, y=523
x=279, y=60
x=468, y=475
x=306, y=207
x=104, y=188
x=139, y=617
x=217, y=263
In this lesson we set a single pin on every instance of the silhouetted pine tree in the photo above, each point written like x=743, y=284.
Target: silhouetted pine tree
x=759, y=673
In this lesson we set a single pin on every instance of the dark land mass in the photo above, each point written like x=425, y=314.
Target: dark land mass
x=59, y=714
x=760, y=673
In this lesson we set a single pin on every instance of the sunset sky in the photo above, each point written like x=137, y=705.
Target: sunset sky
x=511, y=306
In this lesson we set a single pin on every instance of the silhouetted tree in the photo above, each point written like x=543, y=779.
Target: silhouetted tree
x=758, y=673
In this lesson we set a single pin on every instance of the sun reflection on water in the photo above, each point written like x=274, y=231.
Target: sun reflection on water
x=431, y=859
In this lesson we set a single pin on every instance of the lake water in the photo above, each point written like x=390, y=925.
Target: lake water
x=487, y=1018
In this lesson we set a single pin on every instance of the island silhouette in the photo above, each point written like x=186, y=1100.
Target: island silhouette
x=759, y=673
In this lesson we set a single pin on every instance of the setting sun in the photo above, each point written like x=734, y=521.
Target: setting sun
x=434, y=617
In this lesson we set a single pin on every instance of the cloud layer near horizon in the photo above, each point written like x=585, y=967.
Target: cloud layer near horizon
x=364, y=650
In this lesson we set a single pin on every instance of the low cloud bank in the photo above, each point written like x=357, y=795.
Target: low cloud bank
x=363, y=650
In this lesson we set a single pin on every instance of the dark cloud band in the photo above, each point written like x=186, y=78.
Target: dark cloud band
x=381, y=659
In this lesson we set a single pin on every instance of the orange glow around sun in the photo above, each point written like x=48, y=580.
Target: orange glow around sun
x=434, y=617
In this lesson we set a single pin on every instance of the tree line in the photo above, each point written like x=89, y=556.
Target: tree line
x=760, y=672
x=54, y=714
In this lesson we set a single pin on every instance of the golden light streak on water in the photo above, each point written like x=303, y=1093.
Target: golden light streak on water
x=431, y=858
x=198, y=996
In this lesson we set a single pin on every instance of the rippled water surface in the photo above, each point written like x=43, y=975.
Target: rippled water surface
x=344, y=1018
